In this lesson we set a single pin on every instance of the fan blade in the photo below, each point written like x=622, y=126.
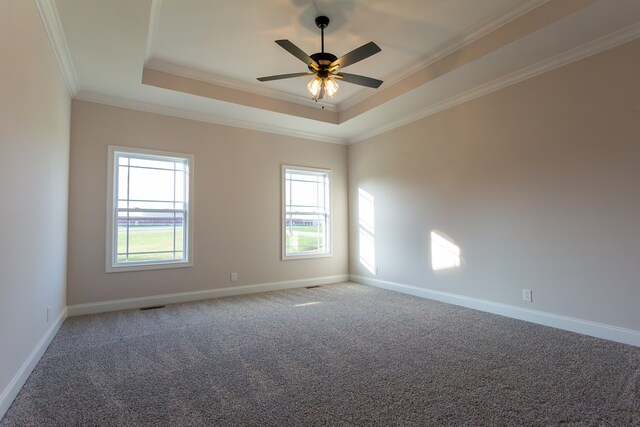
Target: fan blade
x=297, y=52
x=283, y=76
x=363, y=52
x=359, y=80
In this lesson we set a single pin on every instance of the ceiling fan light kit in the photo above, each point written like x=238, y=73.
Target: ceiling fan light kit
x=324, y=66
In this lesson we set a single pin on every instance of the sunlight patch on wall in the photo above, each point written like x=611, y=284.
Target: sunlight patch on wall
x=367, y=231
x=444, y=253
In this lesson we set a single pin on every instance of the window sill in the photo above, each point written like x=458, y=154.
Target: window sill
x=303, y=256
x=147, y=266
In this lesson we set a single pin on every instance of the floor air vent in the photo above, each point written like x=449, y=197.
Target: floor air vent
x=152, y=307
x=312, y=287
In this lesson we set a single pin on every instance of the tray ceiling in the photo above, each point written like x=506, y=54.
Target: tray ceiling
x=199, y=59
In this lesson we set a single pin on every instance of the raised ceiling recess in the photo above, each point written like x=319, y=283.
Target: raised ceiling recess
x=200, y=59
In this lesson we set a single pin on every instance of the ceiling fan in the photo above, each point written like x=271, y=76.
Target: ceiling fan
x=325, y=66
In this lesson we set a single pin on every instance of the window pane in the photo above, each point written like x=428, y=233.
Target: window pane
x=150, y=238
x=150, y=184
x=123, y=175
x=305, y=176
x=146, y=218
x=305, y=238
x=304, y=193
x=122, y=237
x=179, y=240
x=179, y=227
x=180, y=182
x=151, y=235
x=149, y=163
x=164, y=256
x=134, y=204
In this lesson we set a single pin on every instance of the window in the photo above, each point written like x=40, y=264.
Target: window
x=149, y=218
x=306, y=214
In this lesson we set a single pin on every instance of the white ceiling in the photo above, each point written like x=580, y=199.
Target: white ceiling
x=230, y=43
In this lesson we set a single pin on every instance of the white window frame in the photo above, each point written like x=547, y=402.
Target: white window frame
x=111, y=264
x=329, y=216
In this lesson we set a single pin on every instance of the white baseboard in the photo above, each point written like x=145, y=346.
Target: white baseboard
x=13, y=388
x=586, y=327
x=131, y=303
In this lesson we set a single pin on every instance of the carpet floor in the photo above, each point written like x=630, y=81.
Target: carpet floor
x=341, y=354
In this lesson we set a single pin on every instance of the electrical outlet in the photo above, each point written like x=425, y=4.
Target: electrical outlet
x=48, y=312
x=527, y=295
x=234, y=277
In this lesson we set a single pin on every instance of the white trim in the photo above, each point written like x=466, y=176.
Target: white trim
x=132, y=303
x=593, y=47
x=110, y=238
x=572, y=324
x=329, y=223
x=13, y=388
x=465, y=39
x=53, y=26
x=154, y=21
x=131, y=104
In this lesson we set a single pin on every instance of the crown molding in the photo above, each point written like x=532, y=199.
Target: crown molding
x=585, y=50
x=467, y=38
x=572, y=55
x=157, y=64
x=53, y=26
x=154, y=22
x=148, y=107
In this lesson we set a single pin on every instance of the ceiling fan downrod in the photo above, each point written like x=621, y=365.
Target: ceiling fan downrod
x=322, y=22
x=323, y=59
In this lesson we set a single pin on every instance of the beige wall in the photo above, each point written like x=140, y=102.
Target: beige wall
x=34, y=157
x=237, y=203
x=537, y=183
